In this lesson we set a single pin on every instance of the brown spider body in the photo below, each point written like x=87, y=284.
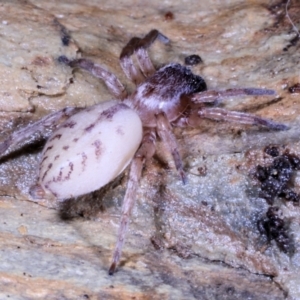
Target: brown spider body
x=164, y=98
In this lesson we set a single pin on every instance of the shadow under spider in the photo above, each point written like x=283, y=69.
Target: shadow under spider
x=90, y=205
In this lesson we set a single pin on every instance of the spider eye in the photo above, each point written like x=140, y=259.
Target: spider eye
x=198, y=84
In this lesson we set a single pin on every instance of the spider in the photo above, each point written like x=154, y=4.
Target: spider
x=91, y=146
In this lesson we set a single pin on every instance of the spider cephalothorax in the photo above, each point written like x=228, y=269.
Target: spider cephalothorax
x=162, y=92
x=92, y=146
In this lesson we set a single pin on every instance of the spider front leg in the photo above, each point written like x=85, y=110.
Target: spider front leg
x=112, y=82
x=37, y=130
x=213, y=96
x=197, y=109
x=145, y=152
x=165, y=132
x=220, y=114
x=139, y=47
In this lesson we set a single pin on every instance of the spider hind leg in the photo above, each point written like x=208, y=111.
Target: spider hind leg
x=36, y=131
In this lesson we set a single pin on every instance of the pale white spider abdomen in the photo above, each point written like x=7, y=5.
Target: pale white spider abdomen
x=90, y=149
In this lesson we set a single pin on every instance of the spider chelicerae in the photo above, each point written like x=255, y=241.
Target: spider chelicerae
x=91, y=146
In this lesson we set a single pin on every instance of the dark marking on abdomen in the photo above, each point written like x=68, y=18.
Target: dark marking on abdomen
x=110, y=112
x=90, y=127
x=98, y=147
x=48, y=168
x=120, y=131
x=71, y=165
x=48, y=148
x=57, y=136
x=69, y=124
x=83, y=162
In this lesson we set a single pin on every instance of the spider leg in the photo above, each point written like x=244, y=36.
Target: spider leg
x=131, y=71
x=216, y=96
x=142, y=54
x=112, y=82
x=37, y=130
x=146, y=151
x=139, y=47
x=220, y=114
x=165, y=132
x=191, y=118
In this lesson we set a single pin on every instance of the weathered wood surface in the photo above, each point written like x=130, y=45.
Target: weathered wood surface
x=198, y=241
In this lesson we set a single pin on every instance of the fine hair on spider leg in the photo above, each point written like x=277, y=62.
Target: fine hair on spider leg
x=122, y=132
